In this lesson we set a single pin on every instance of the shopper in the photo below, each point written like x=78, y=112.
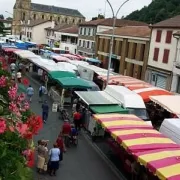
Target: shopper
x=45, y=111
x=30, y=93
x=77, y=120
x=12, y=67
x=42, y=91
x=19, y=76
x=54, y=154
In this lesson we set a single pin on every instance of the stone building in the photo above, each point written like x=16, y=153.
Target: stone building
x=24, y=10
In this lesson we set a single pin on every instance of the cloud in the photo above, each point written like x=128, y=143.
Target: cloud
x=88, y=8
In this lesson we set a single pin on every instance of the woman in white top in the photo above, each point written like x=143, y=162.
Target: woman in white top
x=19, y=76
x=54, y=154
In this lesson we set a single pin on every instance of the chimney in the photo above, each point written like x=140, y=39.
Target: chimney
x=52, y=24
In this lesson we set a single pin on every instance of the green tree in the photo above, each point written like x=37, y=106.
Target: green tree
x=100, y=16
x=1, y=24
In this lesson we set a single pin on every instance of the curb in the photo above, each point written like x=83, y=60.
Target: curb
x=113, y=168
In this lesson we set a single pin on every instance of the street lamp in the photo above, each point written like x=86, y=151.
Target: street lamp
x=112, y=37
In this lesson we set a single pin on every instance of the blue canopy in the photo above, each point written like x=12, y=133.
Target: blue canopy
x=21, y=45
x=93, y=60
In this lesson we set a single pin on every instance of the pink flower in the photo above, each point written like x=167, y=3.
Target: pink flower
x=21, y=97
x=2, y=126
x=22, y=128
x=12, y=92
x=3, y=81
x=26, y=106
x=13, y=107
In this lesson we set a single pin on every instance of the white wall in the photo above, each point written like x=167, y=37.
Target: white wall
x=103, y=28
x=72, y=47
x=39, y=33
x=162, y=45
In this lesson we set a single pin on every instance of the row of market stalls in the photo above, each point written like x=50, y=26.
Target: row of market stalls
x=144, y=151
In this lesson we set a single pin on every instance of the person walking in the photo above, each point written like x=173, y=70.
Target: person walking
x=12, y=67
x=30, y=93
x=61, y=146
x=42, y=91
x=45, y=111
x=77, y=120
x=19, y=76
x=54, y=155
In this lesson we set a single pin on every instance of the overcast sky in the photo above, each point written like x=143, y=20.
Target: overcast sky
x=89, y=8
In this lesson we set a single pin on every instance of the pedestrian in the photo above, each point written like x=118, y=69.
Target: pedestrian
x=13, y=75
x=19, y=76
x=77, y=120
x=30, y=93
x=42, y=91
x=45, y=111
x=42, y=155
x=20, y=67
x=54, y=154
x=61, y=146
x=66, y=131
x=12, y=67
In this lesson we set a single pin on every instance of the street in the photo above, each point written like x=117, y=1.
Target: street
x=81, y=162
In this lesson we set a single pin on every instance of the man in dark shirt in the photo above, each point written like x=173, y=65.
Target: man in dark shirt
x=45, y=111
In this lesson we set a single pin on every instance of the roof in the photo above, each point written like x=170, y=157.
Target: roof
x=70, y=30
x=134, y=31
x=109, y=22
x=96, y=98
x=6, y=21
x=169, y=23
x=36, y=22
x=55, y=10
x=59, y=27
x=104, y=109
x=128, y=98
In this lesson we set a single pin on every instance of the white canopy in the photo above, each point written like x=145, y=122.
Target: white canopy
x=128, y=98
x=24, y=54
x=169, y=102
x=77, y=63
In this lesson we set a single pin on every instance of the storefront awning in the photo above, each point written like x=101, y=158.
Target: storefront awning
x=72, y=82
x=104, y=109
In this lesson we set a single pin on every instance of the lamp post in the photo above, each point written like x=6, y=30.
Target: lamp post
x=113, y=32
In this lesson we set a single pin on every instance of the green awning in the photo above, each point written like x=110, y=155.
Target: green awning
x=105, y=109
x=73, y=82
x=61, y=74
x=21, y=88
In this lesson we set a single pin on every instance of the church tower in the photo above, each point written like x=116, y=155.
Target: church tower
x=21, y=13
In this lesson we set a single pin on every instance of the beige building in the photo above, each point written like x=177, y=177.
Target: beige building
x=130, y=52
x=24, y=10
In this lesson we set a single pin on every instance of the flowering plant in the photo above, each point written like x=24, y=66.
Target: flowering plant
x=18, y=125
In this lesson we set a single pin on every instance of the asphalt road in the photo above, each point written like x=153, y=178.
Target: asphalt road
x=81, y=162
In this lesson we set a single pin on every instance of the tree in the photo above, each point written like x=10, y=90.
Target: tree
x=1, y=24
x=100, y=16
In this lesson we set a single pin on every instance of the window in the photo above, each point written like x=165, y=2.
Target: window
x=79, y=42
x=158, y=36
x=166, y=56
x=84, y=31
x=178, y=86
x=30, y=35
x=27, y=34
x=43, y=16
x=23, y=16
x=73, y=20
x=156, y=54
x=34, y=16
x=79, y=20
x=169, y=37
x=89, y=32
x=88, y=44
x=83, y=43
x=92, y=45
x=81, y=30
x=58, y=18
x=66, y=20
x=51, y=18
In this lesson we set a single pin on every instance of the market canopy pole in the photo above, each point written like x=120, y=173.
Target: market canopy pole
x=113, y=32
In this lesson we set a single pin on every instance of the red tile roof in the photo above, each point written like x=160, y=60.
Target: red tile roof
x=109, y=22
x=169, y=23
x=70, y=30
x=133, y=31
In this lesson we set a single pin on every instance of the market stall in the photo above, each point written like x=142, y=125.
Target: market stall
x=70, y=56
x=59, y=58
x=163, y=163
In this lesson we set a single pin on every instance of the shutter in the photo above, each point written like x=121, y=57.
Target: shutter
x=156, y=54
x=161, y=82
x=169, y=37
x=166, y=56
x=158, y=36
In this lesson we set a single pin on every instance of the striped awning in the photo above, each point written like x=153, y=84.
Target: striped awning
x=120, y=121
x=164, y=163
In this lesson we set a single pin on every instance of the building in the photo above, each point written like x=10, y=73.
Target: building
x=130, y=50
x=35, y=31
x=68, y=38
x=162, y=53
x=88, y=31
x=24, y=10
x=52, y=35
x=7, y=26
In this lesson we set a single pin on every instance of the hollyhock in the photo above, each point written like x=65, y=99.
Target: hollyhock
x=30, y=159
x=12, y=92
x=3, y=81
x=21, y=128
x=2, y=126
x=13, y=107
x=21, y=97
x=26, y=106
